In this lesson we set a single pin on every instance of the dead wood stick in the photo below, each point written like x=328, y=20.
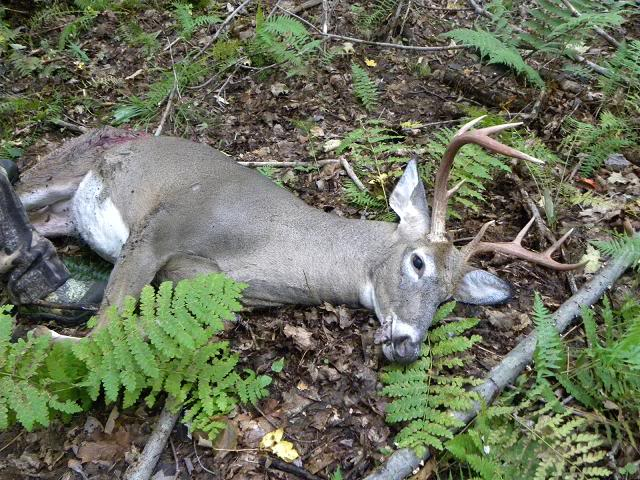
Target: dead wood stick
x=63, y=306
x=143, y=468
x=352, y=175
x=306, y=5
x=579, y=58
x=596, y=29
x=403, y=462
x=165, y=114
x=288, y=468
x=318, y=163
x=221, y=28
x=415, y=48
x=69, y=126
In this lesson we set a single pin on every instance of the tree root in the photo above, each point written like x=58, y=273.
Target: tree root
x=404, y=462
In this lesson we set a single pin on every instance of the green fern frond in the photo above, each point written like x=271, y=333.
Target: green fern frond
x=424, y=391
x=189, y=23
x=496, y=51
x=161, y=344
x=376, y=13
x=283, y=40
x=364, y=88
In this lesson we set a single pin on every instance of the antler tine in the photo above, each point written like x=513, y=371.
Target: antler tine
x=456, y=187
x=514, y=248
x=464, y=136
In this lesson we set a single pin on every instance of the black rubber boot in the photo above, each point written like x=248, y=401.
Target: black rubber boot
x=28, y=262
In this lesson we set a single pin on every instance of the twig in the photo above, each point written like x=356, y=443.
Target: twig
x=222, y=26
x=352, y=174
x=175, y=458
x=415, y=48
x=195, y=450
x=143, y=468
x=325, y=16
x=12, y=441
x=306, y=5
x=596, y=29
x=314, y=163
x=288, y=468
x=402, y=462
x=165, y=114
x=70, y=126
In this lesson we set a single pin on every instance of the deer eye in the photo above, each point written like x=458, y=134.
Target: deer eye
x=417, y=262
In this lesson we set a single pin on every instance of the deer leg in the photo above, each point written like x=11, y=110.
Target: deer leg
x=137, y=266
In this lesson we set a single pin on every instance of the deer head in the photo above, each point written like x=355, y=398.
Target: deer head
x=426, y=268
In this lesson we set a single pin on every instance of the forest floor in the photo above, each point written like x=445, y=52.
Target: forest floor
x=327, y=396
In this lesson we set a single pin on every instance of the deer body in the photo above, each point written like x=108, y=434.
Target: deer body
x=168, y=208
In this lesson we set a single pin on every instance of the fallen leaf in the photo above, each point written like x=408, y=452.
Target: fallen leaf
x=271, y=438
x=278, y=89
x=617, y=177
x=370, y=63
x=108, y=449
x=330, y=145
x=283, y=449
x=300, y=336
x=347, y=47
x=592, y=257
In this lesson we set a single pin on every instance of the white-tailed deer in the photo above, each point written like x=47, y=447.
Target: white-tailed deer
x=168, y=208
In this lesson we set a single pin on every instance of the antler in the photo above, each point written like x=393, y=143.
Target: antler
x=514, y=248
x=464, y=136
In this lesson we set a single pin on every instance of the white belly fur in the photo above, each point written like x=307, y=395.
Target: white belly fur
x=97, y=219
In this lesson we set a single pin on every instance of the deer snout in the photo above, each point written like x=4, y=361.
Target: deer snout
x=404, y=346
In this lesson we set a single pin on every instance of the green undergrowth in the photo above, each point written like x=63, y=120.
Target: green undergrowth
x=163, y=345
x=423, y=393
x=561, y=422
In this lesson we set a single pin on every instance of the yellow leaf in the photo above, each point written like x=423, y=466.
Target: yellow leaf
x=410, y=124
x=286, y=451
x=370, y=63
x=592, y=259
x=272, y=438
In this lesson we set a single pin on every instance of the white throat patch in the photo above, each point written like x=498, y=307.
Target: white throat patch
x=97, y=219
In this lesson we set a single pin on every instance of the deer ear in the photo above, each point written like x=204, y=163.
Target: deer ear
x=409, y=201
x=478, y=287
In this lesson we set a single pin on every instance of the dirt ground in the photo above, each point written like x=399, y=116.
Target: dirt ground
x=326, y=398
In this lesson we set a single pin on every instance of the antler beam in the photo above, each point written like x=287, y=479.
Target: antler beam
x=464, y=136
x=514, y=248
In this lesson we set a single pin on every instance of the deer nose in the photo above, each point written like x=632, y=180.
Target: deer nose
x=405, y=349
x=405, y=343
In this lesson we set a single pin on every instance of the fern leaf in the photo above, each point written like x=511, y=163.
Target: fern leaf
x=363, y=87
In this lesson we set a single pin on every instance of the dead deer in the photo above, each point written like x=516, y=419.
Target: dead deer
x=168, y=208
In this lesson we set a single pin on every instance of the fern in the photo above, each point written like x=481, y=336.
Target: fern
x=622, y=245
x=423, y=392
x=473, y=165
x=163, y=346
x=183, y=12
x=145, y=108
x=26, y=396
x=514, y=442
x=375, y=15
x=610, y=135
x=497, y=52
x=83, y=269
x=283, y=40
x=625, y=72
x=363, y=87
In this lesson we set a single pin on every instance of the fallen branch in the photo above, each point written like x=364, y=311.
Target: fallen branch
x=596, y=29
x=288, y=468
x=143, y=468
x=69, y=126
x=403, y=462
x=165, y=114
x=318, y=163
x=352, y=174
x=221, y=28
x=415, y=48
